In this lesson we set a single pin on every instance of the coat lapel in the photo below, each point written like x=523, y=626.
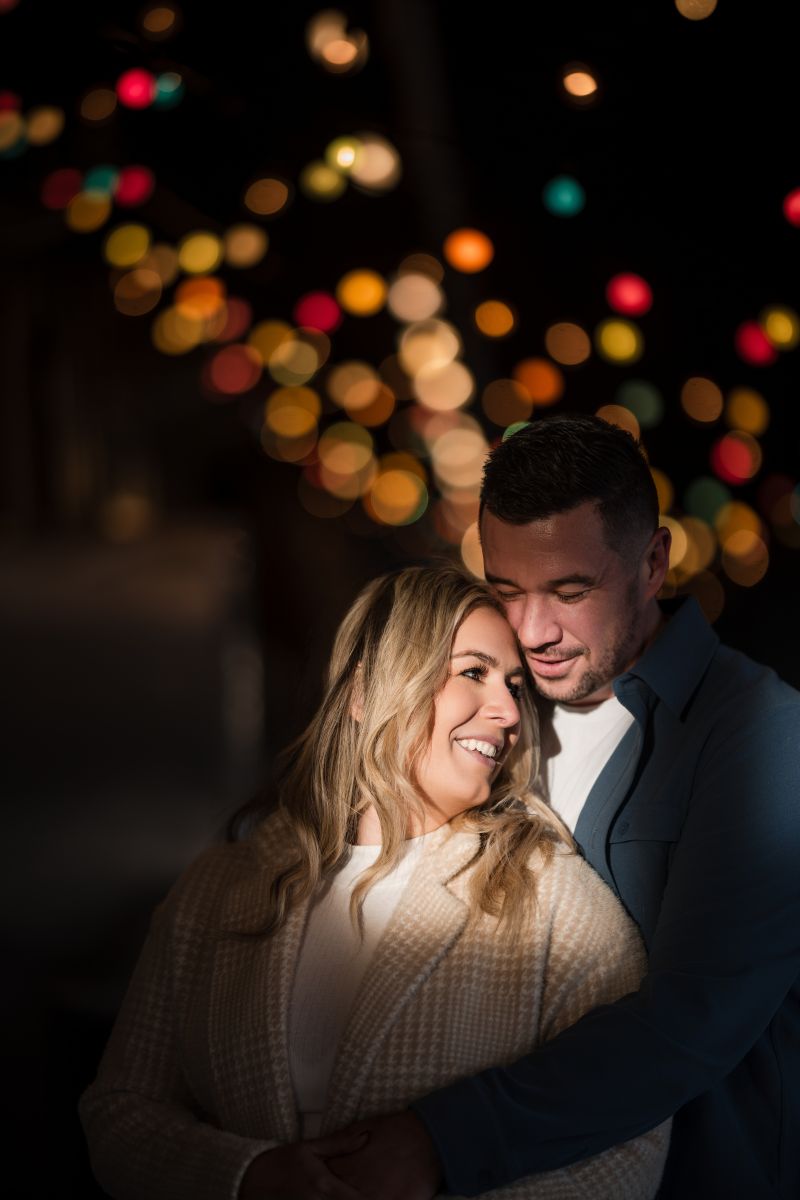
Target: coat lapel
x=428, y=920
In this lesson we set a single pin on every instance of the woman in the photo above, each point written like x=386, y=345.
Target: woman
x=411, y=914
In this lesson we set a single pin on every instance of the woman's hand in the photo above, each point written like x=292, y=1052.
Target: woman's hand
x=299, y=1171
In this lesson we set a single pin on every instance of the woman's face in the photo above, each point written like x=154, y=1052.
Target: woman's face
x=477, y=720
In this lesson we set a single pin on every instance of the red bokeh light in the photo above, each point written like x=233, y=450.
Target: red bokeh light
x=134, y=186
x=753, y=346
x=238, y=319
x=629, y=294
x=318, y=310
x=791, y=207
x=732, y=459
x=136, y=88
x=10, y=102
x=235, y=369
x=60, y=187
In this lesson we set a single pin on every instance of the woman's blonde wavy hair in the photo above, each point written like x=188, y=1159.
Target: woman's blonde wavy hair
x=390, y=658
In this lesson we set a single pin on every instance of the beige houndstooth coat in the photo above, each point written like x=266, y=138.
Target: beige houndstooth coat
x=195, y=1080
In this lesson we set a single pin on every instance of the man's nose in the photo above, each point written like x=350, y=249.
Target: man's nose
x=538, y=625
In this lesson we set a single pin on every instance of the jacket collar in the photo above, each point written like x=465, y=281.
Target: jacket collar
x=674, y=664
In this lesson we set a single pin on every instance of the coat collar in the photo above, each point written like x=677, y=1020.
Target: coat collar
x=673, y=666
x=254, y=976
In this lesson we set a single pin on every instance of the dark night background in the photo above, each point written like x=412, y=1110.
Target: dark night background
x=150, y=676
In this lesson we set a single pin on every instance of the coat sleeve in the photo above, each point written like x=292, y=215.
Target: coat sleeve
x=148, y=1139
x=724, y=956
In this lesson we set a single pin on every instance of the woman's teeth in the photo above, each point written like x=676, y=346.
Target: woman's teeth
x=485, y=748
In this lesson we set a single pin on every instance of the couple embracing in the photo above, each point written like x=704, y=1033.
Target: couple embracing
x=527, y=918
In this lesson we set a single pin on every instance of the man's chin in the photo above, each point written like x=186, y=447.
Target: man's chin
x=569, y=690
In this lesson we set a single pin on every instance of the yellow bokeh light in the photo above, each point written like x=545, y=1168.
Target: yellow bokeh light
x=422, y=264
x=244, y=245
x=414, y=297
x=266, y=196
x=350, y=484
x=471, y=552
x=345, y=448
x=701, y=399
x=695, y=10
x=468, y=250
x=701, y=545
x=377, y=167
x=579, y=83
x=747, y=410
x=541, y=379
x=458, y=456
x=619, y=341
x=12, y=129
x=782, y=327
x=199, y=253
x=398, y=497
x=442, y=388
x=98, y=104
x=506, y=401
x=362, y=292
x=494, y=318
x=666, y=492
x=127, y=245
x=343, y=153
x=87, y=211
x=617, y=414
x=326, y=26
x=200, y=299
x=353, y=384
x=293, y=412
x=159, y=21
x=162, y=259
x=377, y=411
x=430, y=344
x=293, y=361
x=567, y=343
x=736, y=517
x=745, y=557
x=680, y=542
x=44, y=124
x=321, y=182
x=176, y=333
x=137, y=292
x=267, y=336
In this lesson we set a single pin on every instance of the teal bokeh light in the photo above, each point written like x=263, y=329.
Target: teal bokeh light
x=644, y=400
x=169, y=90
x=705, y=497
x=101, y=179
x=563, y=196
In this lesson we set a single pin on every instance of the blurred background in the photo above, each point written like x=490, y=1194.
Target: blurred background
x=274, y=280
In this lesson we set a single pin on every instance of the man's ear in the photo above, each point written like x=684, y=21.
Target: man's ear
x=656, y=560
x=357, y=703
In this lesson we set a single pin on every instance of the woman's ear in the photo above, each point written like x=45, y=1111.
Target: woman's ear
x=357, y=703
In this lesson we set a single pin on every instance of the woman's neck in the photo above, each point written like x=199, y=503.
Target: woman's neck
x=369, y=827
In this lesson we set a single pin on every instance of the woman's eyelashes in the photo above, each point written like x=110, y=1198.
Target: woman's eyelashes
x=478, y=673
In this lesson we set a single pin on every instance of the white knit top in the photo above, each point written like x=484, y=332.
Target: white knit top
x=330, y=967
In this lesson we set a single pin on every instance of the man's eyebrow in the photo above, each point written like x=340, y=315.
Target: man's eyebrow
x=488, y=659
x=586, y=580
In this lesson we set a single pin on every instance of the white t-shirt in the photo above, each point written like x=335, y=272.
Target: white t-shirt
x=330, y=968
x=576, y=745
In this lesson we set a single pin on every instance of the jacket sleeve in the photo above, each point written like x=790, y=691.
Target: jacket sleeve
x=725, y=953
x=148, y=1139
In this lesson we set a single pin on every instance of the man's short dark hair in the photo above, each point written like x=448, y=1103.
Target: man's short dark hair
x=557, y=463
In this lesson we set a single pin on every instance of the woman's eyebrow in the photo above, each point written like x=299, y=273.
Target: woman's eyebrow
x=487, y=658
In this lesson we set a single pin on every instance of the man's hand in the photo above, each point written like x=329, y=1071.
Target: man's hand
x=299, y=1171
x=398, y=1162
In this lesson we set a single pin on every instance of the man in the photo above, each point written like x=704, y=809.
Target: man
x=676, y=761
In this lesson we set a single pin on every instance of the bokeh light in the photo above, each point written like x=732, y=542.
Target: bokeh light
x=298, y=356
x=564, y=196
x=244, y=245
x=298, y=449
x=169, y=90
x=397, y=497
x=137, y=292
x=102, y=178
x=237, y=318
x=362, y=293
x=201, y=298
x=701, y=399
x=293, y=412
x=664, y=488
x=321, y=182
x=347, y=461
x=199, y=252
x=422, y=264
x=791, y=207
x=267, y=196
x=643, y=399
x=706, y=498
x=60, y=187
x=745, y=558
x=44, y=124
x=174, y=332
x=579, y=83
x=12, y=133
x=318, y=310
x=235, y=369
x=134, y=186
x=160, y=21
x=695, y=10
x=98, y=105
x=747, y=410
x=494, y=318
x=136, y=88
x=458, y=455
x=736, y=457
x=414, y=297
x=471, y=552
x=376, y=410
x=753, y=346
x=428, y=344
x=734, y=517
x=444, y=387
x=87, y=211
x=505, y=401
x=567, y=343
x=618, y=341
x=782, y=327
x=629, y=294
x=377, y=167
x=353, y=385
x=126, y=245
x=623, y=418
x=468, y=250
x=266, y=336
x=343, y=153
x=541, y=379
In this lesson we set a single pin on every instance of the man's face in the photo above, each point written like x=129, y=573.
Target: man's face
x=580, y=611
